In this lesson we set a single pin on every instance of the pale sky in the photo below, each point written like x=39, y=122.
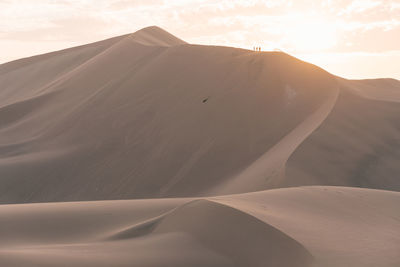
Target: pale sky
x=350, y=38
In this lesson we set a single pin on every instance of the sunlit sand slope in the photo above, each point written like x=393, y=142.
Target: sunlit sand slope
x=151, y=116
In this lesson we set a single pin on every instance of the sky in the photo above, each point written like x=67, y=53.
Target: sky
x=350, y=38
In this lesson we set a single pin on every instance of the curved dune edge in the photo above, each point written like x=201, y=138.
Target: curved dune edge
x=280, y=227
x=340, y=226
x=238, y=236
x=268, y=171
x=357, y=144
x=223, y=235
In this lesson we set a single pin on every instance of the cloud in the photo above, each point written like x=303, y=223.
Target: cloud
x=359, y=6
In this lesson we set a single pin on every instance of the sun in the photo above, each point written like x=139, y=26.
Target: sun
x=313, y=34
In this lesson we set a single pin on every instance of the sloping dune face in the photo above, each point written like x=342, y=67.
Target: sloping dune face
x=359, y=142
x=340, y=226
x=147, y=115
x=143, y=233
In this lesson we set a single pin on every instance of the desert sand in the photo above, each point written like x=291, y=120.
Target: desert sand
x=144, y=150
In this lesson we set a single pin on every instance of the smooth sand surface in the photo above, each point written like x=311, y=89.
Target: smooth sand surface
x=214, y=150
x=358, y=144
x=145, y=121
x=305, y=226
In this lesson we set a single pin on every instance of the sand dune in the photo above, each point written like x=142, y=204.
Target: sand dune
x=197, y=138
x=339, y=226
x=130, y=122
x=358, y=143
x=307, y=226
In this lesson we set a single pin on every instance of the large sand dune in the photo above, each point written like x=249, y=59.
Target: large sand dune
x=144, y=120
x=146, y=116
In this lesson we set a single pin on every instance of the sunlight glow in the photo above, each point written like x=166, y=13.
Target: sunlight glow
x=310, y=34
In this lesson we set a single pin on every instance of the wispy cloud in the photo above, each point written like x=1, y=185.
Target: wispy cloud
x=359, y=6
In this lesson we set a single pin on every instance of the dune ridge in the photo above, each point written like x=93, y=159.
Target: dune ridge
x=305, y=226
x=361, y=136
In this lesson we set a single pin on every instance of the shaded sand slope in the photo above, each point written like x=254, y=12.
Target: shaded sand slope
x=359, y=142
x=340, y=226
x=151, y=116
x=268, y=171
x=25, y=78
x=131, y=233
x=307, y=226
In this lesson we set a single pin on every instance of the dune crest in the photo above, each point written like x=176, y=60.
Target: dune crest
x=155, y=36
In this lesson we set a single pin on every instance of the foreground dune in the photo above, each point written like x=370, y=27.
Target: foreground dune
x=203, y=141
x=306, y=226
